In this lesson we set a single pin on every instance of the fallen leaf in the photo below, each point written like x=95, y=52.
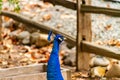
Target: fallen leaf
x=47, y=17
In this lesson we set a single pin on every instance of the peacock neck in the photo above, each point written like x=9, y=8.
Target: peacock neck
x=55, y=49
x=53, y=68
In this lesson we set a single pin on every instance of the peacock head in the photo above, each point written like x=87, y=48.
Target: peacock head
x=57, y=37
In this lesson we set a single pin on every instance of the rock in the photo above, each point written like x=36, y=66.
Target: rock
x=114, y=71
x=42, y=41
x=99, y=61
x=69, y=55
x=23, y=37
x=34, y=36
x=14, y=33
x=112, y=62
x=7, y=22
x=24, y=34
x=26, y=40
x=39, y=39
x=98, y=71
x=70, y=58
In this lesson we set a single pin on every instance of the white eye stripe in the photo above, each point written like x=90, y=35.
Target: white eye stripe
x=60, y=39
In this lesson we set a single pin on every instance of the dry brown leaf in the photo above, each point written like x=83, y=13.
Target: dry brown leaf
x=113, y=42
x=108, y=27
x=47, y=17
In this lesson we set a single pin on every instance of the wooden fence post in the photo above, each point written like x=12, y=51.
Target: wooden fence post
x=83, y=33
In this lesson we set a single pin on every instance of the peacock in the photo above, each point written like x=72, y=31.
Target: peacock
x=53, y=67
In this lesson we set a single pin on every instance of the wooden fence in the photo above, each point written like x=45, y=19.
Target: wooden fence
x=84, y=34
x=82, y=42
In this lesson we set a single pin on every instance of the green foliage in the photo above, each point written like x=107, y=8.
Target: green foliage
x=0, y=5
x=14, y=3
x=17, y=8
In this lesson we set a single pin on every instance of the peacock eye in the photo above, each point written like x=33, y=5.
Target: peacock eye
x=60, y=39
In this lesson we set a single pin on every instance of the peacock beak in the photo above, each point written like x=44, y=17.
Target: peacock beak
x=64, y=38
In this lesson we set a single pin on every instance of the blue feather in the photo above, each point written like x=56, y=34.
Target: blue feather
x=49, y=35
x=53, y=67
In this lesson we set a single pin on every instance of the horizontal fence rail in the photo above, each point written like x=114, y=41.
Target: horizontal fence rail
x=87, y=8
x=64, y=3
x=86, y=46
x=100, y=10
x=38, y=25
x=99, y=50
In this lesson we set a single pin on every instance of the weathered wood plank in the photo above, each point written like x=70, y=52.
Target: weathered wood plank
x=35, y=24
x=64, y=3
x=99, y=50
x=36, y=68
x=79, y=35
x=100, y=10
x=113, y=0
x=87, y=35
x=37, y=76
x=83, y=33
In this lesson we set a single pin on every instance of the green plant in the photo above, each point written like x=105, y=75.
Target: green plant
x=0, y=4
x=14, y=3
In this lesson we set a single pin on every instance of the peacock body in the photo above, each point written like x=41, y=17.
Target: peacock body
x=53, y=67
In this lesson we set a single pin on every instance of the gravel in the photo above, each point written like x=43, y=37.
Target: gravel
x=100, y=22
x=104, y=27
x=64, y=19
